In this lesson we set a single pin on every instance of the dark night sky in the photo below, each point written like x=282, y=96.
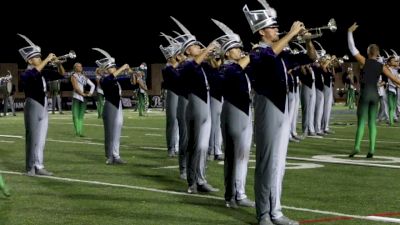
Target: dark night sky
x=132, y=38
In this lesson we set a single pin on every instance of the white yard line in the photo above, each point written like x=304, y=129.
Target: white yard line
x=154, y=148
x=156, y=135
x=11, y=136
x=80, y=142
x=127, y=127
x=350, y=139
x=339, y=161
x=2, y=141
x=370, y=218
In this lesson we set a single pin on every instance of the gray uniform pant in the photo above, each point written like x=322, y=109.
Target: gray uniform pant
x=292, y=112
x=383, y=107
x=183, y=135
x=36, y=124
x=214, y=147
x=198, y=118
x=272, y=137
x=319, y=111
x=328, y=100
x=172, y=121
x=56, y=99
x=308, y=108
x=237, y=130
x=112, y=120
x=8, y=100
x=293, y=120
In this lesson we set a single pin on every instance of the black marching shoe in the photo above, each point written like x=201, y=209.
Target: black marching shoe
x=353, y=154
x=370, y=155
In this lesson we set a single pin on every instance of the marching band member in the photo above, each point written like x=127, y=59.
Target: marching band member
x=392, y=64
x=55, y=93
x=112, y=114
x=181, y=111
x=170, y=81
x=35, y=110
x=198, y=116
x=7, y=92
x=211, y=68
x=271, y=111
x=368, y=102
x=79, y=81
x=329, y=75
x=319, y=93
x=236, y=118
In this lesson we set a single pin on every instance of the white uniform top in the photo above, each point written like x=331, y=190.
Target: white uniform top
x=98, y=88
x=82, y=81
x=392, y=86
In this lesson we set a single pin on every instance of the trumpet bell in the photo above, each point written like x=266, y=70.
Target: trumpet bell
x=71, y=54
x=63, y=58
x=332, y=25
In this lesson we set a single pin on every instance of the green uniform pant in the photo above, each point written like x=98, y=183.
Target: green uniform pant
x=367, y=109
x=392, y=99
x=100, y=105
x=3, y=187
x=78, y=111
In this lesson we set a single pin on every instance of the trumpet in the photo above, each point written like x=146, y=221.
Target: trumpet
x=342, y=59
x=301, y=38
x=63, y=58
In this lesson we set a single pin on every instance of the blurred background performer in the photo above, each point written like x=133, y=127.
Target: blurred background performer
x=139, y=79
x=272, y=123
x=35, y=110
x=79, y=81
x=112, y=114
x=99, y=92
x=55, y=93
x=8, y=90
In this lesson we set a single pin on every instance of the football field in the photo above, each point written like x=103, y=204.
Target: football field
x=321, y=185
